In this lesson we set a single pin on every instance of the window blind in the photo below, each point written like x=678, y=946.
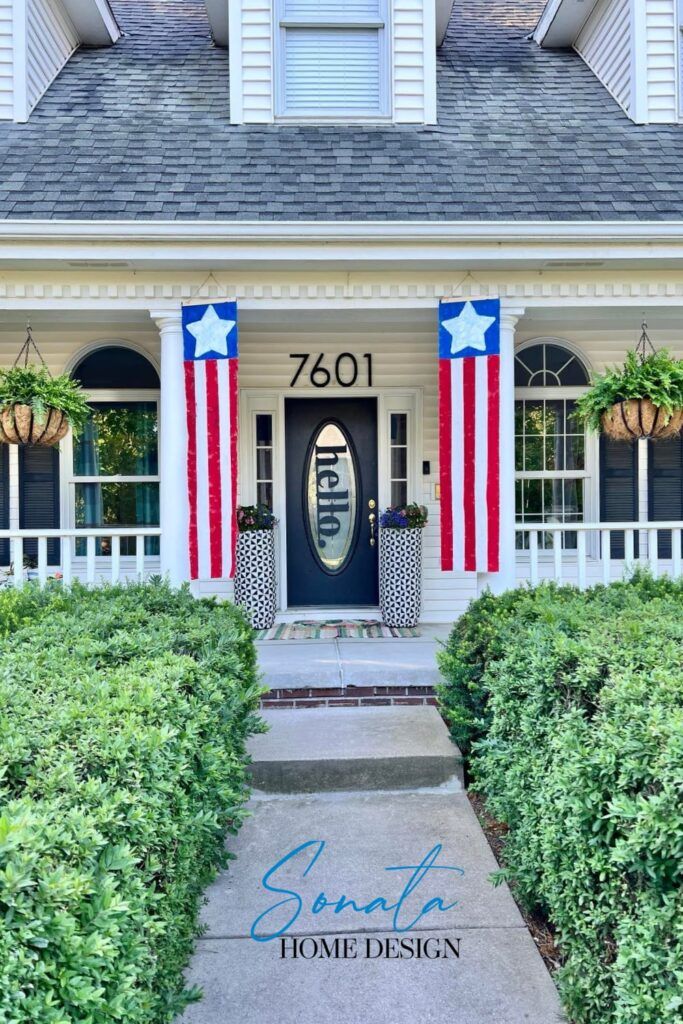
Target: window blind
x=331, y=10
x=329, y=70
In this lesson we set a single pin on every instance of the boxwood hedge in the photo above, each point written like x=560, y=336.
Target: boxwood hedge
x=123, y=719
x=571, y=708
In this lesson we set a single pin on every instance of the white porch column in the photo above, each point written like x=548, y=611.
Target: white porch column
x=172, y=448
x=505, y=579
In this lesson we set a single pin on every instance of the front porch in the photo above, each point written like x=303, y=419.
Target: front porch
x=585, y=513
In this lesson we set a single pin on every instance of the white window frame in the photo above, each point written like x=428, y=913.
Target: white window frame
x=68, y=496
x=590, y=474
x=343, y=116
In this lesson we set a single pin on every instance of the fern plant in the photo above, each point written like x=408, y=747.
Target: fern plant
x=658, y=377
x=35, y=387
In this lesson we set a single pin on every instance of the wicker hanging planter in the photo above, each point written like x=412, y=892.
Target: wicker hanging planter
x=638, y=418
x=19, y=425
x=37, y=423
x=643, y=399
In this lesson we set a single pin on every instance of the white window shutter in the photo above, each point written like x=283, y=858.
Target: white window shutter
x=331, y=70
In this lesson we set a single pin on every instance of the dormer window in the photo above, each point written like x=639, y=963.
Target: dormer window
x=332, y=59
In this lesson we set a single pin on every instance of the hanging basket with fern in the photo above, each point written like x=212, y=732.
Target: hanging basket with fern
x=636, y=418
x=35, y=407
x=642, y=399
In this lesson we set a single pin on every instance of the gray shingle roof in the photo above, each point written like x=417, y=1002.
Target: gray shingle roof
x=141, y=131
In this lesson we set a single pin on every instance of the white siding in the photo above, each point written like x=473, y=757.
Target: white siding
x=605, y=44
x=257, y=61
x=661, y=48
x=51, y=39
x=6, y=61
x=409, y=68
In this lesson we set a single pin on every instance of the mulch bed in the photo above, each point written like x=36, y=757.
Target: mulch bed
x=541, y=931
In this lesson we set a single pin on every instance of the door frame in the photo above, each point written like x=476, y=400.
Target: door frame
x=253, y=401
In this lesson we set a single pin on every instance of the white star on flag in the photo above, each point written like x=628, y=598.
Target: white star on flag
x=211, y=333
x=468, y=329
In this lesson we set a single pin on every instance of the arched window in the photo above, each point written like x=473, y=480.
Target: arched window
x=548, y=365
x=550, y=444
x=115, y=466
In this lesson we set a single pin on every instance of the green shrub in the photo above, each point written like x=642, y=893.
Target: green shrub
x=580, y=752
x=123, y=719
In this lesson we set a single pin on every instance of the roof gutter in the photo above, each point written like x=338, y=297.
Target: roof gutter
x=316, y=243
x=601, y=232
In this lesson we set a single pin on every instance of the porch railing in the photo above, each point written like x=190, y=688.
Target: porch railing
x=91, y=567
x=588, y=553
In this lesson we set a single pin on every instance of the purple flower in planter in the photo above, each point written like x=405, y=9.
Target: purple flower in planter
x=404, y=517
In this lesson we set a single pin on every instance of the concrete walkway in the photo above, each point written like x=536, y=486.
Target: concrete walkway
x=380, y=787
x=327, y=664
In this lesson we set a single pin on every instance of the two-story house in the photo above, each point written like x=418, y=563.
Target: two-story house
x=338, y=167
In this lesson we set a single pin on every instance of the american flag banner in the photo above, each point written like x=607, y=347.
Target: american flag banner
x=469, y=434
x=210, y=362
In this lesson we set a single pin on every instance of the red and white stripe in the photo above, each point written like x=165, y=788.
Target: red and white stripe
x=469, y=463
x=211, y=406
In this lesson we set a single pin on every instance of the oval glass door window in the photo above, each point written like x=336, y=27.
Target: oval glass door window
x=331, y=482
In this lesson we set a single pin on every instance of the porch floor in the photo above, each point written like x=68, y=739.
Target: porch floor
x=348, y=668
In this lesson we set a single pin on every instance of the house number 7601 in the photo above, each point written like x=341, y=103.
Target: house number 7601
x=344, y=373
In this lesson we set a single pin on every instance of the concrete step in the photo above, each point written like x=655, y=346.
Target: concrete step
x=365, y=748
x=328, y=664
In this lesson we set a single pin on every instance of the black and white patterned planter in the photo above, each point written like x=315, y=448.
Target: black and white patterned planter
x=400, y=576
x=255, y=579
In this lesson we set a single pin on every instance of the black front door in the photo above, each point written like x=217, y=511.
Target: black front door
x=331, y=452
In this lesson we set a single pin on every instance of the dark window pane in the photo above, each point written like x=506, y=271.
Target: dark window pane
x=573, y=501
x=117, y=505
x=519, y=507
x=399, y=428
x=119, y=439
x=264, y=463
x=554, y=452
x=554, y=417
x=399, y=463
x=116, y=367
x=519, y=453
x=574, y=425
x=575, y=453
x=264, y=429
x=574, y=375
x=533, y=454
x=533, y=499
x=550, y=365
x=553, y=500
x=519, y=417
x=264, y=494
x=534, y=417
x=399, y=492
x=527, y=363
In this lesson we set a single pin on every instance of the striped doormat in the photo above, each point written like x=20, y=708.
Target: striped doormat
x=335, y=629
